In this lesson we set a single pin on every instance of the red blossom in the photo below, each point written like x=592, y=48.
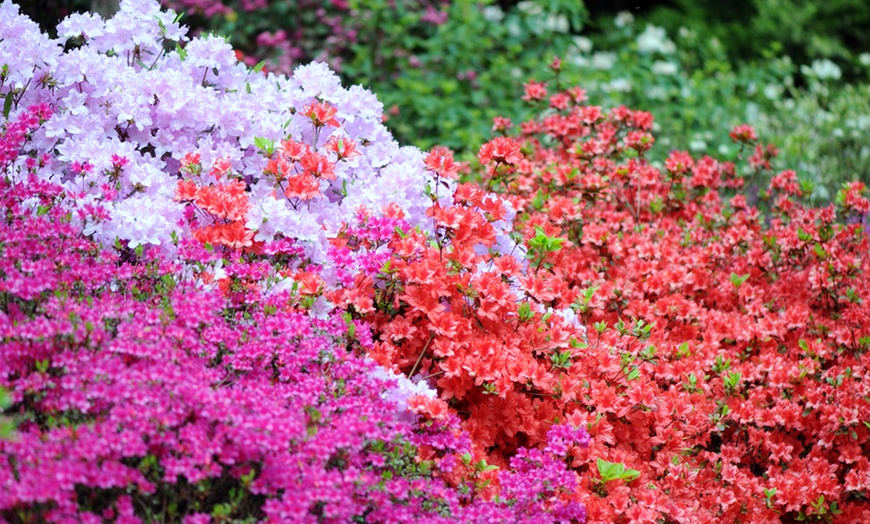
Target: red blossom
x=321, y=114
x=501, y=150
x=318, y=166
x=535, y=91
x=744, y=133
x=304, y=187
x=440, y=161
x=342, y=147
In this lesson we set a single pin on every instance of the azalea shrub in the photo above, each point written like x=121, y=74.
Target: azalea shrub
x=231, y=295
x=138, y=395
x=727, y=349
x=308, y=151
x=168, y=353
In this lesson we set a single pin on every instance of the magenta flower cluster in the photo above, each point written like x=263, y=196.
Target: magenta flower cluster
x=138, y=395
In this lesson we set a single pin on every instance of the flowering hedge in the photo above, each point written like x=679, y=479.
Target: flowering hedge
x=232, y=296
x=137, y=395
x=727, y=355
x=171, y=223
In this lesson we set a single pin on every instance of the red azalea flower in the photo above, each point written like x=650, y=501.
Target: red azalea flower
x=321, y=114
x=440, y=160
x=342, y=147
x=502, y=150
x=743, y=133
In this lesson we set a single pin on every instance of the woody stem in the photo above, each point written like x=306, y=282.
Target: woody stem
x=423, y=352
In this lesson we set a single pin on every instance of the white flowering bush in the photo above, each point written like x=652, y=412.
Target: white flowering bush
x=136, y=96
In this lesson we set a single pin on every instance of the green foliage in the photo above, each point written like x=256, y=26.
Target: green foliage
x=6, y=425
x=752, y=29
x=686, y=78
x=449, y=81
x=821, y=133
x=615, y=471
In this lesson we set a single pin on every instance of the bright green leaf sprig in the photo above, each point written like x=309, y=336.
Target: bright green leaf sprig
x=6, y=425
x=615, y=471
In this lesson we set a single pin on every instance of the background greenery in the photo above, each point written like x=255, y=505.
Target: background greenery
x=795, y=70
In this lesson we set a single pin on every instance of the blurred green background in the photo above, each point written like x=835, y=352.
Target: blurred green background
x=796, y=70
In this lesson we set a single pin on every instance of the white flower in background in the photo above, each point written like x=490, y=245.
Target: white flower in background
x=493, y=13
x=697, y=145
x=654, y=39
x=623, y=19
x=579, y=61
x=529, y=8
x=584, y=45
x=822, y=69
x=557, y=23
x=657, y=93
x=513, y=27
x=618, y=84
x=661, y=67
x=773, y=91
x=603, y=60
x=864, y=58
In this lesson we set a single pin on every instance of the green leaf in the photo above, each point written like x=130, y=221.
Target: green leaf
x=524, y=312
x=738, y=280
x=7, y=105
x=351, y=327
x=265, y=144
x=732, y=380
x=803, y=236
x=42, y=365
x=615, y=471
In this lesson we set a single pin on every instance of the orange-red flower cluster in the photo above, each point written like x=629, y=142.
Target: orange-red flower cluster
x=224, y=208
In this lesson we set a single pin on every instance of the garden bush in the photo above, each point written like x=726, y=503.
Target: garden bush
x=752, y=29
x=261, y=306
x=724, y=351
x=820, y=132
x=163, y=375
x=446, y=69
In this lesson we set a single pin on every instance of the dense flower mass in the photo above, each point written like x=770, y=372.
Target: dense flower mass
x=231, y=296
x=134, y=97
x=139, y=395
x=727, y=349
x=167, y=346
